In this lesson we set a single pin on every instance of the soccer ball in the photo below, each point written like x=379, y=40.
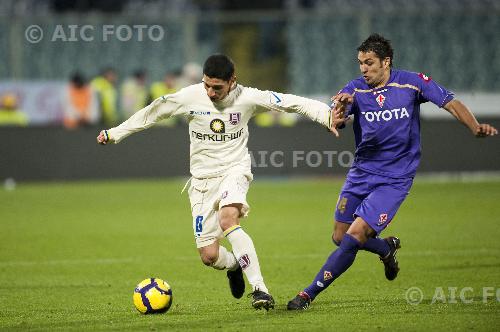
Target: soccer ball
x=152, y=295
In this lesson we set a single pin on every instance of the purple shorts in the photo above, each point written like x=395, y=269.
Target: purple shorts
x=374, y=198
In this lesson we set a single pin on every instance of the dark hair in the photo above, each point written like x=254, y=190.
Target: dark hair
x=139, y=74
x=107, y=70
x=219, y=66
x=78, y=79
x=378, y=45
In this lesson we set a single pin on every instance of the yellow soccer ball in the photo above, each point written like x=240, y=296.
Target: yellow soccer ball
x=152, y=295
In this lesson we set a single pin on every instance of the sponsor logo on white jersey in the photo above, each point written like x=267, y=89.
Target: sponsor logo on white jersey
x=274, y=98
x=386, y=115
x=217, y=137
x=199, y=112
x=217, y=126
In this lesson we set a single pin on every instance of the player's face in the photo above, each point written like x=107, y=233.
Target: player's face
x=376, y=72
x=217, y=89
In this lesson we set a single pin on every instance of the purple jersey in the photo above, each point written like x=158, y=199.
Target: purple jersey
x=387, y=122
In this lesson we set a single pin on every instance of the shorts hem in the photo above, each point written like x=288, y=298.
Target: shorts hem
x=245, y=208
x=349, y=222
x=204, y=243
x=377, y=230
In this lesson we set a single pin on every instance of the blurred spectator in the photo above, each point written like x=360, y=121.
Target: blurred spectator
x=269, y=119
x=134, y=94
x=10, y=115
x=192, y=73
x=80, y=105
x=165, y=87
x=104, y=85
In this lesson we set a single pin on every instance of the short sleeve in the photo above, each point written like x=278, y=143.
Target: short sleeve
x=432, y=91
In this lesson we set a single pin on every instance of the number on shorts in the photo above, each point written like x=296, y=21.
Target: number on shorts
x=199, y=224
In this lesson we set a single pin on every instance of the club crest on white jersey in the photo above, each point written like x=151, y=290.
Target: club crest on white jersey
x=234, y=118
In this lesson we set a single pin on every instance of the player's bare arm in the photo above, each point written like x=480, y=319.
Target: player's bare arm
x=464, y=115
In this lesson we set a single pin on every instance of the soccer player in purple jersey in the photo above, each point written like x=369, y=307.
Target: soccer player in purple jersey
x=385, y=105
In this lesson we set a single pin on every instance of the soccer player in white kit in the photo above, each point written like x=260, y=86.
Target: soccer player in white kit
x=218, y=110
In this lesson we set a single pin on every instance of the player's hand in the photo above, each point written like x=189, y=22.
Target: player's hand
x=335, y=121
x=104, y=138
x=337, y=116
x=343, y=99
x=485, y=130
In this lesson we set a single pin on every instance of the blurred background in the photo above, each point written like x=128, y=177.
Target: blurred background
x=70, y=68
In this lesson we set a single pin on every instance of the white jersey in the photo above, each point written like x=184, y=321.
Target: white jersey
x=218, y=131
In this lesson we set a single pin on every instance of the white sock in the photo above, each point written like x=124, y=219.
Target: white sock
x=226, y=260
x=244, y=251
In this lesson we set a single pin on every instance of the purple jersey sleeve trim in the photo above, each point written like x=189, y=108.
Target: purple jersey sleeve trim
x=449, y=97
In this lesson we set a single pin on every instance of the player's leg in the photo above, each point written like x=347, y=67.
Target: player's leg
x=353, y=192
x=205, y=225
x=218, y=257
x=339, y=229
x=242, y=244
x=233, y=206
x=336, y=264
x=246, y=254
x=207, y=233
x=379, y=209
x=358, y=188
x=372, y=216
x=213, y=254
x=376, y=245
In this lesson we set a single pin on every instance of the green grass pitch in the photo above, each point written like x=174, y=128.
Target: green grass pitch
x=72, y=253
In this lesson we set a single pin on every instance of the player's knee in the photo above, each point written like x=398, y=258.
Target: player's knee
x=209, y=254
x=337, y=239
x=338, y=234
x=209, y=258
x=228, y=221
x=359, y=235
x=229, y=216
x=361, y=230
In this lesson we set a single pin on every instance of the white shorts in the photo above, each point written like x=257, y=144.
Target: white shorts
x=207, y=196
